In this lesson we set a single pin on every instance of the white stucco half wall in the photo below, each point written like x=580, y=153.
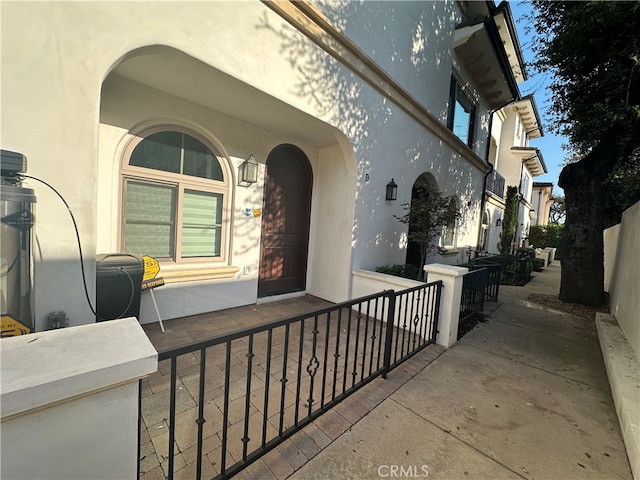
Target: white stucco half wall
x=622, y=274
x=69, y=401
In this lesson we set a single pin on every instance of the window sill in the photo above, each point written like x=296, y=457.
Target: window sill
x=450, y=252
x=176, y=274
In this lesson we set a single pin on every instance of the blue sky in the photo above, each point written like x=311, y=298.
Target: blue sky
x=550, y=144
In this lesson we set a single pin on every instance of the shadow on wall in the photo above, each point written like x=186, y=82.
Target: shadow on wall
x=387, y=142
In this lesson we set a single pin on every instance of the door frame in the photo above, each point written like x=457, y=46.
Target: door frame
x=306, y=174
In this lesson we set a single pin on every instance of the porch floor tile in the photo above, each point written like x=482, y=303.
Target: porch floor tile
x=288, y=457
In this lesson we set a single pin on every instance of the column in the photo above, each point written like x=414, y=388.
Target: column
x=451, y=277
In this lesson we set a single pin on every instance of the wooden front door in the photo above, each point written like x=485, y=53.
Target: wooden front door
x=285, y=222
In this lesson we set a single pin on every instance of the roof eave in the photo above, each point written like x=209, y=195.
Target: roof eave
x=505, y=8
x=532, y=158
x=481, y=51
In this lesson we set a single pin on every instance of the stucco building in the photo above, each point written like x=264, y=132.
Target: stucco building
x=145, y=116
x=542, y=199
x=515, y=163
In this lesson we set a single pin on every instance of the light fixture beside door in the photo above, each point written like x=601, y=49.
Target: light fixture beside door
x=392, y=191
x=248, y=172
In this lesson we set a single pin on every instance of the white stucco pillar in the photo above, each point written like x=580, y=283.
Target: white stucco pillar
x=451, y=277
x=69, y=401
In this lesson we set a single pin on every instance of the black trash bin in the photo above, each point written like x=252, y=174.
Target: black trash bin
x=118, y=284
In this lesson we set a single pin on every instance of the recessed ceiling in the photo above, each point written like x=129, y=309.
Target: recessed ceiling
x=183, y=76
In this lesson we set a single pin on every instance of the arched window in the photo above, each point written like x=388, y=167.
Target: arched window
x=449, y=231
x=175, y=192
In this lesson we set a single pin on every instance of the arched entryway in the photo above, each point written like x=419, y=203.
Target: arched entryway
x=423, y=185
x=285, y=222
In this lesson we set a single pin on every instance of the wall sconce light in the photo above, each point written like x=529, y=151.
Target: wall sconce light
x=499, y=222
x=392, y=191
x=248, y=171
x=533, y=215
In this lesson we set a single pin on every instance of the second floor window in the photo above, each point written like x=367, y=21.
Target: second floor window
x=462, y=112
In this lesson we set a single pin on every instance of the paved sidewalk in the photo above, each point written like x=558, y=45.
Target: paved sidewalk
x=524, y=395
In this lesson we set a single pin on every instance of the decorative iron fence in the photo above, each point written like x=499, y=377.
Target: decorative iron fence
x=233, y=398
x=494, y=277
x=480, y=284
x=474, y=284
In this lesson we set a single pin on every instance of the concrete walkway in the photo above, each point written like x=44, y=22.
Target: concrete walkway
x=524, y=395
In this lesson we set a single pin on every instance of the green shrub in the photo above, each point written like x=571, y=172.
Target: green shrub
x=395, y=270
x=509, y=221
x=538, y=264
x=405, y=271
x=514, y=269
x=543, y=236
x=526, y=252
x=411, y=271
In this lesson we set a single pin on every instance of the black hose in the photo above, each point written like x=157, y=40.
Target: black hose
x=84, y=277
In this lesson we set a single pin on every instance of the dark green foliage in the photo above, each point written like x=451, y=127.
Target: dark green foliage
x=538, y=264
x=543, y=236
x=514, y=269
x=428, y=214
x=405, y=271
x=526, y=252
x=557, y=212
x=591, y=50
x=509, y=221
x=622, y=187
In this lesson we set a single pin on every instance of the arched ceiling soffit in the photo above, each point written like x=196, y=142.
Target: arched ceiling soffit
x=176, y=73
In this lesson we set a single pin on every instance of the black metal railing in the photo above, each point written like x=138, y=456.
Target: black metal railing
x=416, y=311
x=495, y=183
x=494, y=277
x=232, y=398
x=473, y=292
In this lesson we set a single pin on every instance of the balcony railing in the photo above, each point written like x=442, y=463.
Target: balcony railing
x=495, y=184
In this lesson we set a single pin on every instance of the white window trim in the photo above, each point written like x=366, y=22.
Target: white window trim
x=209, y=267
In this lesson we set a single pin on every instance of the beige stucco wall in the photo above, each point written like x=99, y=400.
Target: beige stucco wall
x=611, y=238
x=56, y=56
x=541, y=200
x=128, y=106
x=622, y=274
x=404, y=34
x=507, y=165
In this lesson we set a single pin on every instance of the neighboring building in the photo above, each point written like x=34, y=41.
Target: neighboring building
x=144, y=116
x=515, y=164
x=542, y=199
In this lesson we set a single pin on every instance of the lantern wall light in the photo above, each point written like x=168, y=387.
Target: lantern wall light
x=392, y=191
x=248, y=171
